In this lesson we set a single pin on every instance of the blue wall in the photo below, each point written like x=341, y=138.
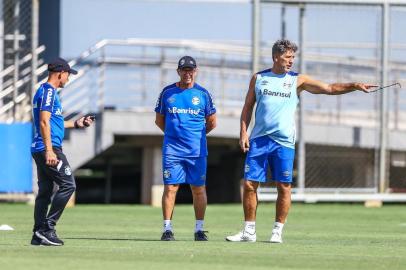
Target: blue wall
x=15, y=157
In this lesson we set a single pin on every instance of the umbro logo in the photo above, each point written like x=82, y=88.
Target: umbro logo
x=264, y=82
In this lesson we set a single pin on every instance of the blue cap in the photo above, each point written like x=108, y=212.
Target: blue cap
x=59, y=65
x=187, y=62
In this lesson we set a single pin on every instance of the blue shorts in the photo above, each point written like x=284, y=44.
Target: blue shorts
x=180, y=170
x=265, y=152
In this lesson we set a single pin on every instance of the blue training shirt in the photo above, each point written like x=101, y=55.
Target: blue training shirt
x=47, y=99
x=276, y=97
x=185, y=112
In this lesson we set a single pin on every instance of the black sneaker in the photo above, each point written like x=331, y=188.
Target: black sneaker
x=35, y=240
x=167, y=236
x=201, y=236
x=49, y=238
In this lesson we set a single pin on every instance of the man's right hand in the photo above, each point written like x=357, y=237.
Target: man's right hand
x=50, y=158
x=244, y=142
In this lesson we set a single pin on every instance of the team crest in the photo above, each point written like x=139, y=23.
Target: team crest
x=68, y=171
x=247, y=168
x=286, y=173
x=195, y=101
x=287, y=86
x=167, y=174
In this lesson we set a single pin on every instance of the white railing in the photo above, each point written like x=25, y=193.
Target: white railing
x=128, y=75
x=14, y=97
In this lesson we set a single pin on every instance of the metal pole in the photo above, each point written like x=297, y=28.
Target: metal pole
x=163, y=69
x=255, y=44
x=107, y=187
x=283, y=21
x=255, y=34
x=16, y=56
x=302, y=143
x=1, y=44
x=384, y=98
x=102, y=79
x=98, y=135
x=34, y=46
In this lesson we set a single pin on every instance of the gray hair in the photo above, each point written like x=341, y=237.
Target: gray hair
x=283, y=45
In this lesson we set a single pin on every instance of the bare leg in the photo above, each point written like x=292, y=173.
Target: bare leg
x=250, y=200
x=283, y=202
x=168, y=200
x=199, y=201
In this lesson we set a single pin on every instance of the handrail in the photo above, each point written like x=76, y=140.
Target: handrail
x=219, y=62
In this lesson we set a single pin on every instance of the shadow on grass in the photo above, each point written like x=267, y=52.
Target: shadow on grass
x=118, y=239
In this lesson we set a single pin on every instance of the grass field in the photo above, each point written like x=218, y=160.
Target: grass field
x=322, y=236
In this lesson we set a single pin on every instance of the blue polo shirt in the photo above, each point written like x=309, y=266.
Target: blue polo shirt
x=185, y=112
x=47, y=99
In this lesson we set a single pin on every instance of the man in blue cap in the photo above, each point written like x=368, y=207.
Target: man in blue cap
x=185, y=112
x=46, y=149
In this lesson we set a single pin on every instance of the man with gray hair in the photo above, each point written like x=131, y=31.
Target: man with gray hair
x=272, y=141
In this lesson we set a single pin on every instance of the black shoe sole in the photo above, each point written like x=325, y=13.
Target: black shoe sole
x=168, y=239
x=35, y=243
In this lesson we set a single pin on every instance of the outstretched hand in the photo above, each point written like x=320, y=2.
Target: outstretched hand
x=365, y=87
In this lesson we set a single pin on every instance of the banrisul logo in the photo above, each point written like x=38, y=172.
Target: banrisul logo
x=267, y=92
x=183, y=111
x=49, y=97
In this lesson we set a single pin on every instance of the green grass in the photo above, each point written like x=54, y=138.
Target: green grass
x=322, y=236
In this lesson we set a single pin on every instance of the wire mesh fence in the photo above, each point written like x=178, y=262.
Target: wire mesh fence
x=16, y=77
x=342, y=43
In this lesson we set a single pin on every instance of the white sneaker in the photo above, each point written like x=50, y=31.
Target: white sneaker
x=242, y=236
x=276, y=237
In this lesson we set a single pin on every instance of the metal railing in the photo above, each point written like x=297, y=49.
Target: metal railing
x=129, y=74
x=15, y=97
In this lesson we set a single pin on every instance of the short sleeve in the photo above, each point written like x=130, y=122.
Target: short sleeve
x=47, y=99
x=210, y=106
x=160, y=104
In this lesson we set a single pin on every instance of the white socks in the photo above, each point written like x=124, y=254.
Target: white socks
x=277, y=226
x=199, y=225
x=250, y=227
x=167, y=225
